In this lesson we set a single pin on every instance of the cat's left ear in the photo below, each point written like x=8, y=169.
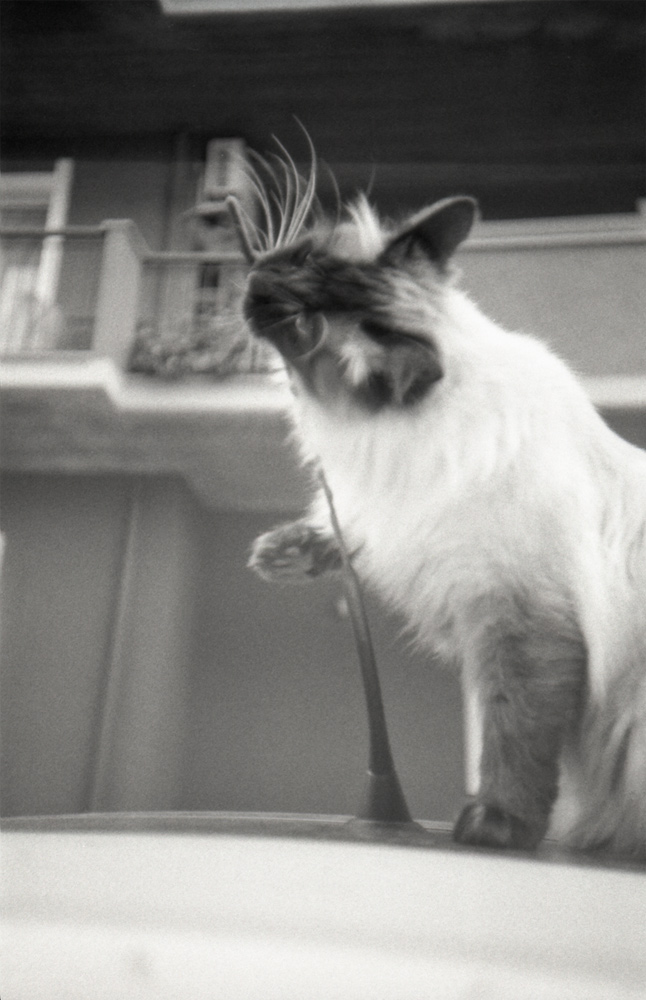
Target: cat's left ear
x=436, y=231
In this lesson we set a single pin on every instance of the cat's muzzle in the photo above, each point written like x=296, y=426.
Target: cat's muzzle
x=276, y=316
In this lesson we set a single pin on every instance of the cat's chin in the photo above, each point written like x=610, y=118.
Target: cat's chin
x=380, y=391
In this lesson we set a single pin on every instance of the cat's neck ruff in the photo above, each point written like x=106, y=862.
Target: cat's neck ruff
x=505, y=455
x=499, y=388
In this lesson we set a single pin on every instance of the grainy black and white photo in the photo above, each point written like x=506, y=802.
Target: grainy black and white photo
x=323, y=499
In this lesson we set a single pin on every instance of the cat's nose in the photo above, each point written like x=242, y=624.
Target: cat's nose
x=259, y=286
x=259, y=294
x=262, y=306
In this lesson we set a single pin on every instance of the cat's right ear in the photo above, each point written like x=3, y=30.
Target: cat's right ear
x=436, y=231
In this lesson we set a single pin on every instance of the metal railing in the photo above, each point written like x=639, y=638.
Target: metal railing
x=190, y=317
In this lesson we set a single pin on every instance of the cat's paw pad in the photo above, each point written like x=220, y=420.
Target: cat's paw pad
x=481, y=825
x=292, y=553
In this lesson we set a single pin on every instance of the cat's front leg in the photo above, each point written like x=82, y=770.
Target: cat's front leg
x=294, y=553
x=531, y=688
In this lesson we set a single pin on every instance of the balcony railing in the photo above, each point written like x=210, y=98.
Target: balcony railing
x=190, y=317
x=102, y=290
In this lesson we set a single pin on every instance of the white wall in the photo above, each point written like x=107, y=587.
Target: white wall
x=587, y=302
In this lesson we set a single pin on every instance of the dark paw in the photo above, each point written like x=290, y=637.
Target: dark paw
x=483, y=825
x=293, y=553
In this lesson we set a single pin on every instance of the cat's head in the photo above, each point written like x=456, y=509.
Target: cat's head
x=351, y=306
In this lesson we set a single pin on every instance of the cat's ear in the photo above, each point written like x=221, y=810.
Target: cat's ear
x=436, y=231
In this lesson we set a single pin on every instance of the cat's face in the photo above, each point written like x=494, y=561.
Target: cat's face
x=351, y=309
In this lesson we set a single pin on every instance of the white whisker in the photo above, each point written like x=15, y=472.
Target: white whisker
x=245, y=227
x=285, y=199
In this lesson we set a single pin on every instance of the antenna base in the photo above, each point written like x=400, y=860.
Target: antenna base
x=383, y=800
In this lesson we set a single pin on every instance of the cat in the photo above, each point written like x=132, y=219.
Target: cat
x=482, y=496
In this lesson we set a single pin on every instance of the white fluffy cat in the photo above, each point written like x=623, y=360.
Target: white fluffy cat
x=483, y=496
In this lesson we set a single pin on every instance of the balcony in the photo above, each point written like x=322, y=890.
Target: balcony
x=140, y=361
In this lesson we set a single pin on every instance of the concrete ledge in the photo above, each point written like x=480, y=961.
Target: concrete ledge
x=227, y=439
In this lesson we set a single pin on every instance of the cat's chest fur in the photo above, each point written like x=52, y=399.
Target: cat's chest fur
x=438, y=510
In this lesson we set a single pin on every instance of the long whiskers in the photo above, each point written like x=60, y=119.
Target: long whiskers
x=245, y=228
x=285, y=199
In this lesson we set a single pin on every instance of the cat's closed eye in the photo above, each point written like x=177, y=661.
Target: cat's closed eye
x=387, y=335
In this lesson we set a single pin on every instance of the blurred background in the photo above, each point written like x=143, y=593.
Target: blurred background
x=143, y=440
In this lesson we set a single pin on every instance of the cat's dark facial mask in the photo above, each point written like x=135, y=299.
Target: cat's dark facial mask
x=332, y=319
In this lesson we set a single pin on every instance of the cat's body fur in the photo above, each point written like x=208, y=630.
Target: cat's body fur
x=483, y=496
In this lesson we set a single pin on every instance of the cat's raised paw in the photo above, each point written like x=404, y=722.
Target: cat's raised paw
x=293, y=553
x=482, y=825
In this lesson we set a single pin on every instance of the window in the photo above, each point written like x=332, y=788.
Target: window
x=30, y=204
